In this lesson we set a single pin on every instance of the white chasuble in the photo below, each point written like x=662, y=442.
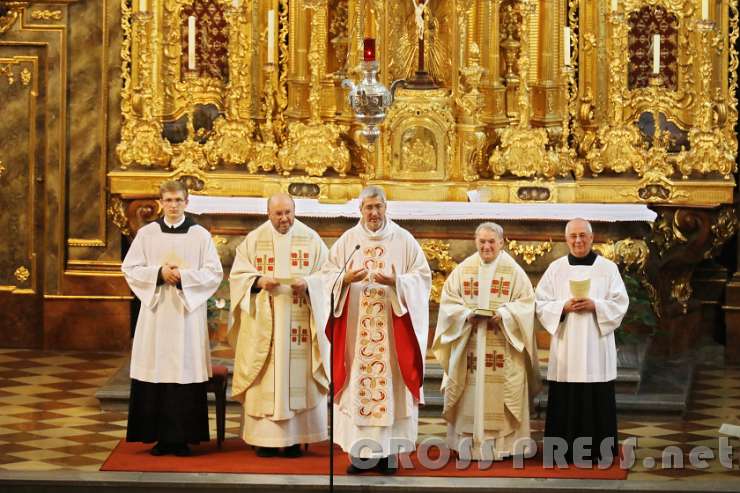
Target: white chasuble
x=171, y=340
x=279, y=372
x=374, y=402
x=487, y=373
x=582, y=347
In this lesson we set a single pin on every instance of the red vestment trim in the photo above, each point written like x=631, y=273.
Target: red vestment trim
x=410, y=361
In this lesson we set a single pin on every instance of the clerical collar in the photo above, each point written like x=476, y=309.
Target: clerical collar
x=181, y=227
x=586, y=260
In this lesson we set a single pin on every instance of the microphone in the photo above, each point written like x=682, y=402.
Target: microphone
x=344, y=268
x=331, y=371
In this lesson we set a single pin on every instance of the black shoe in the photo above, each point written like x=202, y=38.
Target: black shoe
x=384, y=467
x=356, y=466
x=267, y=451
x=293, y=451
x=159, y=449
x=182, y=450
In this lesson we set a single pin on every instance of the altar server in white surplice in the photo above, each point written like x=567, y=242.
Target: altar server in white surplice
x=173, y=268
x=279, y=311
x=381, y=322
x=581, y=301
x=485, y=344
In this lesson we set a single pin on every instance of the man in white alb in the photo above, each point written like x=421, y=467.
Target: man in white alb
x=173, y=268
x=381, y=322
x=485, y=344
x=581, y=301
x=279, y=311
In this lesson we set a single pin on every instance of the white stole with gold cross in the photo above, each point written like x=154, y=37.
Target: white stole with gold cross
x=286, y=256
x=488, y=286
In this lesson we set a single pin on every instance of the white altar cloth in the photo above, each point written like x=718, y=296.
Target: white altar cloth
x=432, y=211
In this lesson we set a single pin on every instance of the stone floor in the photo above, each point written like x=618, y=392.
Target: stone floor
x=51, y=421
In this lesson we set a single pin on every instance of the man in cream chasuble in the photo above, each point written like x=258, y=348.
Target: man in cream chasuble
x=485, y=344
x=279, y=311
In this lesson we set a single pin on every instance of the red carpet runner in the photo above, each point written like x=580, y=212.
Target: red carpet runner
x=236, y=457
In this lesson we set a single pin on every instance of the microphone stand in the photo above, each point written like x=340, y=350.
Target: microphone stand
x=331, y=372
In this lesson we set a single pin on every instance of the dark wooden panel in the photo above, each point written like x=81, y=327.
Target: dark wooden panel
x=88, y=284
x=86, y=324
x=21, y=325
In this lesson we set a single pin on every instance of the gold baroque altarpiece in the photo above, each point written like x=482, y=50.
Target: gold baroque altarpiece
x=246, y=111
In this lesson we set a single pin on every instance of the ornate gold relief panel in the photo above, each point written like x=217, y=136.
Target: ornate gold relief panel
x=18, y=167
x=419, y=137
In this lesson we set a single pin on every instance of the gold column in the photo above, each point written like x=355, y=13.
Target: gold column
x=494, y=92
x=298, y=77
x=545, y=89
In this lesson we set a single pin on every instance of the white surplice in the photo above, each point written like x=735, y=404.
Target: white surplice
x=375, y=403
x=171, y=340
x=582, y=348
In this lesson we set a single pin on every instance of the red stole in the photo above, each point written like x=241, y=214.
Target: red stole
x=410, y=360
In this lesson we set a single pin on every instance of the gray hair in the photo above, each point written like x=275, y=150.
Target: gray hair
x=372, y=191
x=490, y=226
x=588, y=225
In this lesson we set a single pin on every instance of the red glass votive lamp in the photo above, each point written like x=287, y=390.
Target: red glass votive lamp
x=368, y=49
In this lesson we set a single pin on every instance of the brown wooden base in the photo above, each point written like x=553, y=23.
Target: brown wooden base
x=21, y=321
x=732, y=320
x=87, y=324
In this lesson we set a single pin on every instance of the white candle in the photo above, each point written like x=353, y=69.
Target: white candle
x=270, y=36
x=656, y=53
x=191, y=42
x=705, y=9
x=614, y=5
x=566, y=45
x=142, y=5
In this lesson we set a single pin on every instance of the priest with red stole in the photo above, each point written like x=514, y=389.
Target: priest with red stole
x=380, y=323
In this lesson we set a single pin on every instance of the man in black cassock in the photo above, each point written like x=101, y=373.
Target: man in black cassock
x=173, y=268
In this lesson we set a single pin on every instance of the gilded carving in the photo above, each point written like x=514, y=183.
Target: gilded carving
x=2, y=168
x=25, y=76
x=10, y=12
x=315, y=146
x=231, y=141
x=710, y=150
x=523, y=151
x=418, y=154
x=437, y=28
x=631, y=254
x=117, y=213
x=479, y=126
x=620, y=146
x=189, y=157
x=22, y=274
x=470, y=106
x=723, y=229
x=529, y=252
x=437, y=253
x=419, y=141
x=46, y=15
x=681, y=291
x=141, y=133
